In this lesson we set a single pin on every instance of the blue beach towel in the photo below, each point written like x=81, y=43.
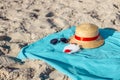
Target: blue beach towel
x=102, y=63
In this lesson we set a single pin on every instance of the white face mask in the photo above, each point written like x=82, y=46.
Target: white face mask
x=71, y=48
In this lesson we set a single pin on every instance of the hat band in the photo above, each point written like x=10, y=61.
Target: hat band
x=86, y=39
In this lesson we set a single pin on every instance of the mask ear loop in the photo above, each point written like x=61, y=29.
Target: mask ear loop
x=77, y=44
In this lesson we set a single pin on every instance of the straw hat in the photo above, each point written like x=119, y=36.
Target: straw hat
x=87, y=36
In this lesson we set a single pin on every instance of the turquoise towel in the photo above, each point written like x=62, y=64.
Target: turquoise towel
x=102, y=63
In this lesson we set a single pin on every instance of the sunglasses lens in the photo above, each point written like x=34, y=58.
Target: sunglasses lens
x=64, y=40
x=54, y=41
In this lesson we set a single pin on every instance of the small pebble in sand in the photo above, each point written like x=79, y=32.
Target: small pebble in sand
x=50, y=14
x=33, y=15
x=5, y=38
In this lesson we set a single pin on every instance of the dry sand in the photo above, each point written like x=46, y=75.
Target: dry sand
x=25, y=21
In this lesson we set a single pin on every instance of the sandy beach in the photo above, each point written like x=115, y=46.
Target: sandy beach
x=23, y=22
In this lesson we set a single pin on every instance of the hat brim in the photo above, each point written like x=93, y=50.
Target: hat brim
x=88, y=44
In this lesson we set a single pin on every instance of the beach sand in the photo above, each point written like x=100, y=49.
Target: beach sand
x=25, y=21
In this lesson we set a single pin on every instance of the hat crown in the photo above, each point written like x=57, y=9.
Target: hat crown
x=87, y=30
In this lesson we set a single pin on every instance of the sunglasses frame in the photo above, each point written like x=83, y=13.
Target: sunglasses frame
x=59, y=40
